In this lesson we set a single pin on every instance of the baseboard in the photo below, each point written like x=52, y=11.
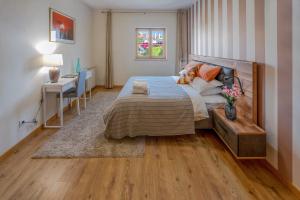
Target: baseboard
x=34, y=133
x=114, y=87
x=15, y=148
x=286, y=182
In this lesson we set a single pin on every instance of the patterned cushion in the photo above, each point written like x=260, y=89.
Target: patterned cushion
x=190, y=71
x=184, y=78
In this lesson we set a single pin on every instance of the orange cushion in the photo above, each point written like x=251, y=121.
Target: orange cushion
x=209, y=72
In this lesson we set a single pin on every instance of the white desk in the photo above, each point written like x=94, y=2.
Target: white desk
x=60, y=87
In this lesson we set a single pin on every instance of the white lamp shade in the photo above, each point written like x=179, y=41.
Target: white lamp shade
x=53, y=60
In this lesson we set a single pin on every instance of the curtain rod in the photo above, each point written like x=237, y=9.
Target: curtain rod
x=140, y=11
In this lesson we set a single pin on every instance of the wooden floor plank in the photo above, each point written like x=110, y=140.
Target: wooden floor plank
x=183, y=167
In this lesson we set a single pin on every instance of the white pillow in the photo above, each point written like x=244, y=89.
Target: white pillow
x=201, y=86
x=212, y=91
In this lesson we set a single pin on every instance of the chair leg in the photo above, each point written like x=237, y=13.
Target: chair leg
x=58, y=106
x=84, y=96
x=69, y=103
x=78, y=105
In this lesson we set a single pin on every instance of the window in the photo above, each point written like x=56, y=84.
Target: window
x=151, y=43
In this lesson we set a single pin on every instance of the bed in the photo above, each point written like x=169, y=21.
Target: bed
x=168, y=109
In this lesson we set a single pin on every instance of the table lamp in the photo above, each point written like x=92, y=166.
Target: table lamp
x=54, y=61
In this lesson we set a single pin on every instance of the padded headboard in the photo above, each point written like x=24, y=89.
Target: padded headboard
x=247, y=73
x=226, y=76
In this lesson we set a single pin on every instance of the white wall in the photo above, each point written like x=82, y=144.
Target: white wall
x=24, y=24
x=250, y=30
x=271, y=100
x=99, y=45
x=296, y=93
x=123, y=37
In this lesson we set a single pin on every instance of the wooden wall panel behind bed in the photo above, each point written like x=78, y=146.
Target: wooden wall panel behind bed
x=248, y=73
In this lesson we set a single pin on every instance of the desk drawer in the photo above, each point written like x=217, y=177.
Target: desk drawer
x=227, y=135
x=58, y=88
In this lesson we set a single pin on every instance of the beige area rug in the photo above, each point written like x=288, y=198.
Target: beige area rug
x=83, y=136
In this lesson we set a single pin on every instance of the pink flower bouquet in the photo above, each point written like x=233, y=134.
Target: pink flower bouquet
x=232, y=94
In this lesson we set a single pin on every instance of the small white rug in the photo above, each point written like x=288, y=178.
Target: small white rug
x=83, y=136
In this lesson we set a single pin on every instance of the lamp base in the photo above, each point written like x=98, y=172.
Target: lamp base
x=54, y=74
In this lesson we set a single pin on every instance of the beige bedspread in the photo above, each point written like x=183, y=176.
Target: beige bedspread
x=166, y=110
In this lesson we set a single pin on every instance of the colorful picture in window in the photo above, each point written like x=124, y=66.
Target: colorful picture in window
x=62, y=27
x=158, y=39
x=150, y=43
x=143, y=37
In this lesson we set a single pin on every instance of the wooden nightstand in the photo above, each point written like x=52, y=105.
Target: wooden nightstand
x=244, y=139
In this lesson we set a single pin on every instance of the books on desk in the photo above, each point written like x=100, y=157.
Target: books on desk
x=69, y=76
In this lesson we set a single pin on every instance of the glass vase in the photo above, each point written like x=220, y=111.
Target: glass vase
x=230, y=111
x=77, y=67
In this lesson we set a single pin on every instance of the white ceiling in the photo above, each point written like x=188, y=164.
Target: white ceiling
x=139, y=4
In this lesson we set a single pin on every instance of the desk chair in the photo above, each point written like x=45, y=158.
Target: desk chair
x=78, y=91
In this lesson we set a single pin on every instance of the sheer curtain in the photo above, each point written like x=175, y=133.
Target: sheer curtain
x=109, y=67
x=182, y=40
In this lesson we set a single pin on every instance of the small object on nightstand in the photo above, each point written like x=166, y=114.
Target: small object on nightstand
x=231, y=95
x=230, y=111
x=244, y=138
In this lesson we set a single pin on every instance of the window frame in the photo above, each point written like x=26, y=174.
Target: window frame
x=150, y=57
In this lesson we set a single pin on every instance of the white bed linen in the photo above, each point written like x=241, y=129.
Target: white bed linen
x=200, y=109
x=214, y=101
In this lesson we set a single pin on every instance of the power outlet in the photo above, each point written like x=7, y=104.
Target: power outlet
x=34, y=121
x=21, y=123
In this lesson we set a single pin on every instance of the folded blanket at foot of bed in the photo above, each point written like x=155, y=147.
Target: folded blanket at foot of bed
x=140, y=87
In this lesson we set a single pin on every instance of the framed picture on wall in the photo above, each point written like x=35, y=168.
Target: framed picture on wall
x=62, y=27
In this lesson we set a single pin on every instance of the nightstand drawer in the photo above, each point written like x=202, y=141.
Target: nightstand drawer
x=252, y=146
x=229, y=137
x=245, y=139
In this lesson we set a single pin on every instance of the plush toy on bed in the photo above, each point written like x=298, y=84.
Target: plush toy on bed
x=189, y=72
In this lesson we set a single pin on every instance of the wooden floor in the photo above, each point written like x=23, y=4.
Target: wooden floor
x=186, y=167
